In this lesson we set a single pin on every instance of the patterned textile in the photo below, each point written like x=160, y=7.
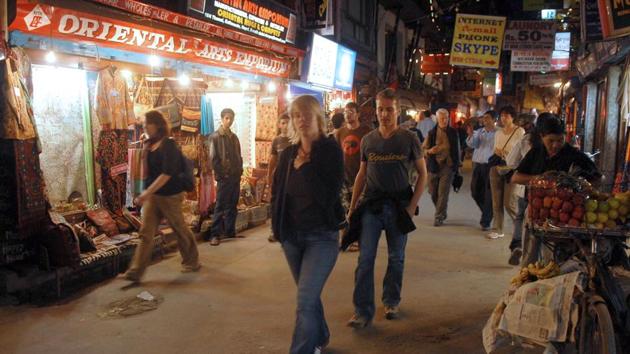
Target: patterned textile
x=135, y=176
x=113, y=105
x=16, y=113
x=112, y=153
x=30, y=188
x=59, y=116
x=207, y=120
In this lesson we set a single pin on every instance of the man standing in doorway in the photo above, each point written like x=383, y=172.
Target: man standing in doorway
x=443, y=151
x=227, y=165
x=388, y=203
x=349, y=138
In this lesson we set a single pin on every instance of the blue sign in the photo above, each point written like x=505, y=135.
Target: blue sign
x=344, y=72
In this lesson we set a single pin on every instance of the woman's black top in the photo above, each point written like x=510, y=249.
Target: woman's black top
x=303, y=212
x=165, y=160
x=310, y=195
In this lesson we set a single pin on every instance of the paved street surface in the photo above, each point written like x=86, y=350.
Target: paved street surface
x=243, y=300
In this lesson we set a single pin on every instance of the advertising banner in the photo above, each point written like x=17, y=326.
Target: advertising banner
x=477, y=41
x=530, y=35
x=544, y=79
x=615, y=17
x=537, y=5
x=590, y=23
x=331, y=65
x=163, y=15
x=92, y=29
x=263, y=18
x=530, y=60
x=435, y=64
x=315, y=13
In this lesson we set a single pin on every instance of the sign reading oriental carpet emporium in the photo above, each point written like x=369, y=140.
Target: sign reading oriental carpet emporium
x=260, y=17
x=52, y=21
x=477, y=41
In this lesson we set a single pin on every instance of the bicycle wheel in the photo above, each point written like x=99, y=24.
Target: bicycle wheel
x=599, y=335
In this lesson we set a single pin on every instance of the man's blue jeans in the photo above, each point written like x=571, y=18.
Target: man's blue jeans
x=311, y=256
x=225, y=210
x=517, y=236
x=372, y=224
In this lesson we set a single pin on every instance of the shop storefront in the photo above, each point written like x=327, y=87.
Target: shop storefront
x=81, y=79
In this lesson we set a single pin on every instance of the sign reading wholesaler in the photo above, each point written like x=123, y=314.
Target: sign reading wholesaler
x=477, y=41
x=262, y=18
x=92, y=29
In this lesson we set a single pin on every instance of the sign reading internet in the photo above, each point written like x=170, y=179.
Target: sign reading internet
x=477, y=41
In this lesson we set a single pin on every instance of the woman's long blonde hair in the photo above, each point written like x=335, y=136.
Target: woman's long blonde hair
x=306, y=103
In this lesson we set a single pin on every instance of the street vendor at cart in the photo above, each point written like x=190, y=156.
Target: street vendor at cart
x=550, y=152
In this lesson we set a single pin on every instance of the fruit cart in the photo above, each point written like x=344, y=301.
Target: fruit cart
x=604, y=316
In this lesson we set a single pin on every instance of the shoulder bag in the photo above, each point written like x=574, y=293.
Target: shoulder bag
x=496, y=160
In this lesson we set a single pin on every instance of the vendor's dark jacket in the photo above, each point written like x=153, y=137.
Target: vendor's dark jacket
x=325, y=180
x=225, y=155
x=455, y=152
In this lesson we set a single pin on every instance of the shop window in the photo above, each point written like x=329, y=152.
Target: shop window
x=60, y=104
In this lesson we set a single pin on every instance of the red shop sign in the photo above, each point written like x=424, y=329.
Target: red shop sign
x=156, y=13
x=68, y=24
x=435, y=64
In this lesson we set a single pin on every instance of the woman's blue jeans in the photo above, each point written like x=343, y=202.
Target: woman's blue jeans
x=311, y=256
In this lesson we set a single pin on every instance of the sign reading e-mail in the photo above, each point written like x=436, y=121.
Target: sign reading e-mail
x=477, y=41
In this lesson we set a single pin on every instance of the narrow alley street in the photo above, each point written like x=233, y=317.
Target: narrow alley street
x=243, y=300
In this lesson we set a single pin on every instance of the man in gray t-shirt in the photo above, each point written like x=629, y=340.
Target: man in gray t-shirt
x=388, y=160
x=387, y=154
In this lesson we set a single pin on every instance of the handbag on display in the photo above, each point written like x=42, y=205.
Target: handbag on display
x=104, y=221
x=191, y=120
x=171, y=111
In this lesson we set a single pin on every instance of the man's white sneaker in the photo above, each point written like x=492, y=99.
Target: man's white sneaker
x=494, y=235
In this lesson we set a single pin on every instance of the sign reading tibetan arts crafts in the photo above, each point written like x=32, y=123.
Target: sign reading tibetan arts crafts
x=477, y=41
x=528, y=35
x=62, y=23
x=615, y=16
x=262, y=18
x=531, y=60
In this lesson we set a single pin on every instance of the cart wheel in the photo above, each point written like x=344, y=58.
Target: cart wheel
x=599, y=335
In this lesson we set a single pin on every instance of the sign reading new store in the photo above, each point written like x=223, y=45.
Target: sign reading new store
x=260, y=17
x=330, y=65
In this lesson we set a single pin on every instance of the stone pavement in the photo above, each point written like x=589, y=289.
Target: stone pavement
x=243, y=300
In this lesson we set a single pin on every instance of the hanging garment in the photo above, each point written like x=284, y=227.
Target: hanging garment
x=207, y=122
x=31, y=197
x=16, y=113
x=135, y=175
x=113, y=105
x=207, y=194
x=112, y=156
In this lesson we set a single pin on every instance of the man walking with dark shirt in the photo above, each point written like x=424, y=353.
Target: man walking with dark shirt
x=349, y=138
x=227, y=165
x=387, y=200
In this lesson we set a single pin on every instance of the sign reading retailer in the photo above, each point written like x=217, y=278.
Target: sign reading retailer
x=528, y=35
x=477, y=41
x=262, y=18
x=57, y=22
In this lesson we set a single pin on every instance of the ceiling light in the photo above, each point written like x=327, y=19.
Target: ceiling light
x=51, y=57
x=271, y=86
x=154, y=60
x=244, y=85
x=126, y=74
x=229, y=83
x=184, y=79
